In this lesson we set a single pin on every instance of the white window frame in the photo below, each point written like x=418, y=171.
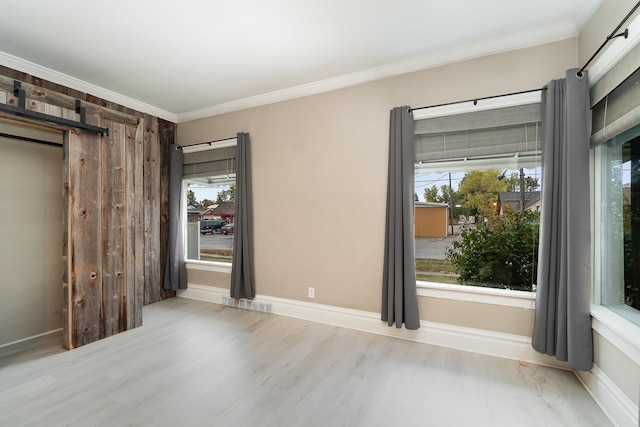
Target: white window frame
x=215, y=266
x=622, y=333
x=478, y=294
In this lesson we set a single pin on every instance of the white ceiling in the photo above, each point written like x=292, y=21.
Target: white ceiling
x=193, y=58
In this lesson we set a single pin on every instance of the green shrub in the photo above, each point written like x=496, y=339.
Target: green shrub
x=503, y=254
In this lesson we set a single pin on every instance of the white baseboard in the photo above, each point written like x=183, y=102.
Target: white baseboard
x=618, y=407
x=30, y=338
x=509, y=346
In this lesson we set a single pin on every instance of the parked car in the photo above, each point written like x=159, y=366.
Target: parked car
x=211, y=226
x=228, y=229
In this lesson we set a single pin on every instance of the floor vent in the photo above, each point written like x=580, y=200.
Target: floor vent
x=247, y=304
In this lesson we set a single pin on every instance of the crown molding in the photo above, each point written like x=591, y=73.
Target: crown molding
x=585, y=12
x=538, y=36
x=54, y=76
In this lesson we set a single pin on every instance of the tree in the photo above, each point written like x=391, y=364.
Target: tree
x=503, y=255
x=206, y=203
x=227, y=195
x=191, y=199
x=513, y=183
x=431, y=194
x=479, y=191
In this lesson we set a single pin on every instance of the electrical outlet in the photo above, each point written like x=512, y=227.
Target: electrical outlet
x=312, y=292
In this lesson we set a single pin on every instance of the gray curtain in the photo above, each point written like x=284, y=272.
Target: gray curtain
x=175, y=273
x=242, y=277
x=562, y=326
x=399, y=299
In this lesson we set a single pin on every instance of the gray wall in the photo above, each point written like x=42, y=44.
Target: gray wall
x=30, y=234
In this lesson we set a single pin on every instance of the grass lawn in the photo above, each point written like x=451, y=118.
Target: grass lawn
x=435, y=265
x=436, y=278
x=220, y=255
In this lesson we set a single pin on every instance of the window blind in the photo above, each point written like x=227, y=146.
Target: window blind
x=618, y=111
x=219, y=161
x=479, y=134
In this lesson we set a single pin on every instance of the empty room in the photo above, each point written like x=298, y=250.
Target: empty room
x=356, y=213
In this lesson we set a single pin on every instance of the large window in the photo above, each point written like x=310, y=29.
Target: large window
x=616, y=197
x=477, y=198
x=617, y=224
x=209, y=202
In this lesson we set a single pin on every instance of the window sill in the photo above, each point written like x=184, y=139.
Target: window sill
x=504, y=297
x=215, y=266
x=619, y=331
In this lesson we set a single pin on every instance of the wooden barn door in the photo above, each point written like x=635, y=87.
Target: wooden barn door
x=111, y=230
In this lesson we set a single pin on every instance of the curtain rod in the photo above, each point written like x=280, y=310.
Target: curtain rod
x=180, y=147
x=475, y=100
x=610, y=37
x=24, y=138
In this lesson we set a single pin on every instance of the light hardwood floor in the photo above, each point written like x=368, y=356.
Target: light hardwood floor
x=200, y=364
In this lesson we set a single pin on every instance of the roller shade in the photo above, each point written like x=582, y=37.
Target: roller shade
x=219, y=161
x=617, y=112
x=479, y=134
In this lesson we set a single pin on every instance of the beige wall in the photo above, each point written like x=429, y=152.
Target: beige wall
x=601, y=24
x=30, y=235
x=620, y=369
x=490, y=317
x=317, y=160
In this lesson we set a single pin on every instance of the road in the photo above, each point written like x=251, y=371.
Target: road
x=216, y=241
x=433, y=247
x=426, y=247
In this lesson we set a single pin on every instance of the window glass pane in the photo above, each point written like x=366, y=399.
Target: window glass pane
x=477, y=221
x=210, y=213
x=617, y=250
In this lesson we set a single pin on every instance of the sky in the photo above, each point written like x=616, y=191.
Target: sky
x=422, y=181
x=210, y=193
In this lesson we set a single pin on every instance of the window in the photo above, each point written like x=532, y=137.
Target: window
x=209, y=202
x=477, y=197
x=616, y=197
x=617, y=223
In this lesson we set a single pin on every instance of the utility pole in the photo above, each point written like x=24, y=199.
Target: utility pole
x=521, y=189
x=451, y=204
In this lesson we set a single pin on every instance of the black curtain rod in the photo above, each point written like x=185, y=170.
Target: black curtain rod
x=24, y=138
x=205, y=143
x=475, y=100
x=610, y=37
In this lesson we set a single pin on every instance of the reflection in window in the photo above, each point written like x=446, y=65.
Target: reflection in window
x=617, y=222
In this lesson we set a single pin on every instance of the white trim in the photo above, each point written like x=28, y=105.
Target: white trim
x=232, y=142
x=503, y=297
x=616, y=50
x=585, y=12
x=54, y=76
x=215, y=266
x=614, y=403
x=483, y=105
x=620, y=332
x=509, y=346
x=548, y=34
x=31, y=337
